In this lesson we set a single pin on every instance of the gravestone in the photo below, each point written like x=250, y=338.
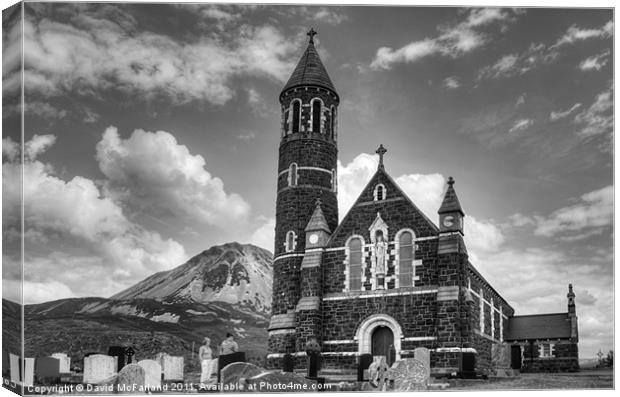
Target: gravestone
x=129, y=353
x=131, y=379
x=48, y=369
x=364, y=362
x=468, y=365
x=98, y=367
x=377, y=372
x=152, y=373
x=501, y=360
x=409, y=374
x=119, y=353
x=29, y=372
x=14, y=362
x=226, y=359
x=424, y=356
x=288, y=363
x=237, y=373
x=264, y=382
x=171, y=366
x=314, y=364
x=65, y=362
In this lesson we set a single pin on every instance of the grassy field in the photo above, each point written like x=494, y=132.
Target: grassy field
x=580, y=380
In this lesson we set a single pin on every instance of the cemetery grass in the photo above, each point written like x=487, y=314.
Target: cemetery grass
x=545, y=381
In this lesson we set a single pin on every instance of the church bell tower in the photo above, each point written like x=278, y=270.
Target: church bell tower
x=307, y=165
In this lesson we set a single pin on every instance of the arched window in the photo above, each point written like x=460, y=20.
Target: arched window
x=291, y=241
x=334, y=181
x=285, y=127
x=296, y=116
x=355, y=264
x=316, y=115
x=332, y=123
x=405, y=259
x=292, y=174
x=380, y=193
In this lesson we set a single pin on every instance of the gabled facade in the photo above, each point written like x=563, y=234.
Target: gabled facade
x=384, y=280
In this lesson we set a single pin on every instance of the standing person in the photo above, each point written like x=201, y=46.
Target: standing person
x=229, y=345
x=205, y=355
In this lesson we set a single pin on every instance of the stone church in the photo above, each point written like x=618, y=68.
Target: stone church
x=385, y=279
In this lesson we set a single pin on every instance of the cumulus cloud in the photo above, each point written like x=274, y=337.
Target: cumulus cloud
x=105, y=250
x=35, y=108
x=352, y=178
x=595, y=62
x=453, y=40
x=482, y=236
x=425, y=190
x=553, y=116
x=451, y=83
x=91, y=51
x=264, y=235
x=152, y=171
x=598, y=118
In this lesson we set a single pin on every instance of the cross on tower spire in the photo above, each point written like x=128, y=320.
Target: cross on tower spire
x=311, y=33
x=381, y=152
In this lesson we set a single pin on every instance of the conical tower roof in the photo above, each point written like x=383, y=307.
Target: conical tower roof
x=310, y=70
x=450, y=200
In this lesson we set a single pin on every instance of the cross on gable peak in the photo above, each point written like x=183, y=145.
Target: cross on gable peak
x=311, y=33
x=381, y=152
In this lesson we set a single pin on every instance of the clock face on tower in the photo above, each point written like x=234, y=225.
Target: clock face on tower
x=314, y=238
x=448, y=221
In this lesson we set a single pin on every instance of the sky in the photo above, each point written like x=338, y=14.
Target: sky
x=151, y=134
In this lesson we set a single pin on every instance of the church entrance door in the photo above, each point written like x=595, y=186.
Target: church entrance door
x=383, y=343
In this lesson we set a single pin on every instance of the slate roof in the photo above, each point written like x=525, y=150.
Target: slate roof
x=450, y=200
x=539, y=326
x=317, y=221
x=310, y=71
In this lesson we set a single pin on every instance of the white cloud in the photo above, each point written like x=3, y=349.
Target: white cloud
x=352, y=178
x=595, y=62
x=151, y=170
x=520, y=125
x=95, y=52
x=451, y=82
x=598, y=118
x=426, y=192
x=481, y=236
x=330, y=16
x=90, y=116
x=75, y=216
x=553, y=116
x=247, y=136
x=574, y=34
x=594, y=210
x=521, y=100
x=264, y=235
x=540, y=54
x=35, y=108
x=454, y=39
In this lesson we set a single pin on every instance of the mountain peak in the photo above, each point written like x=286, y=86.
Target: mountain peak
x=233, y=273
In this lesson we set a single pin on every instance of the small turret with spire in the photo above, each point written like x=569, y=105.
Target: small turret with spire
x=572, y=312
x=450, y=213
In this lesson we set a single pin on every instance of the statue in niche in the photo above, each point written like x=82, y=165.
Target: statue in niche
x=381, y=247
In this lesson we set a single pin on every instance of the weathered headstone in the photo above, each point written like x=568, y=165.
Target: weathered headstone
x=501, y=360
x=409, y=374
x=152, y=373
x=48, y=369
x=364, y=362
x=65, y=362
x=377, y=372
x=424, y=356
x=172, y=366
x=226, y=359
x=15, y=368
x=98, y=367
x=131, y=379
x=119, y=352
x=234, y=373
x=288, y=363
x=271, y=382
x=29, y=372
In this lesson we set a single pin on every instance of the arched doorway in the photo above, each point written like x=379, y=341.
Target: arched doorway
x=383, y=343
x=366, y=333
